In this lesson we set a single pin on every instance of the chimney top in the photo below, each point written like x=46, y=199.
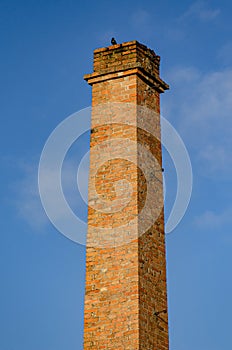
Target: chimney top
x=125, y=59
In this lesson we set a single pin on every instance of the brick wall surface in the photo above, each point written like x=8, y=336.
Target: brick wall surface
x=125, y=254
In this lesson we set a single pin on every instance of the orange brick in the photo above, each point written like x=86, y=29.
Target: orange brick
x=125, y=269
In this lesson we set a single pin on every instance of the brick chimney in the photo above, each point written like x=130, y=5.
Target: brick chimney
x=126, y=292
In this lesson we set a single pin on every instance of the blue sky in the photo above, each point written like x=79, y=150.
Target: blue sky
x=46, y=48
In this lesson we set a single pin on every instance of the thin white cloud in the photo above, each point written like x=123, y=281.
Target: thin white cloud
x=217, y=158
x=214, y=220
x=26, y=199
x=225, y=54
x=212, y=97
x=199, y=10
x=184, y=75
x=201, y=104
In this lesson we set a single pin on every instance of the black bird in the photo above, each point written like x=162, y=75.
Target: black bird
x=113, y=41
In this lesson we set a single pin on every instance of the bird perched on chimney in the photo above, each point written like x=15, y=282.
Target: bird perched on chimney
x=113, y=41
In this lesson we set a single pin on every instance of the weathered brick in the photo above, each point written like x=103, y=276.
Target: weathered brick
x=125, y=262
